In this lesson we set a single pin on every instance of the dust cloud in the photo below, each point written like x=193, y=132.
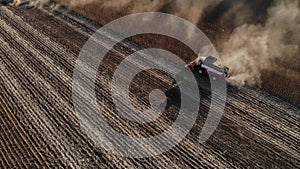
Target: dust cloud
x=254, y=48
x=260, y=33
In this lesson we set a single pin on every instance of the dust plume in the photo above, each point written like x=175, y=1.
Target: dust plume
x=251, y=49
x=257, y=39
x=257, y=31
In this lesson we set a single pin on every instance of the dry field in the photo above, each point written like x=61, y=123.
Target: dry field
x=39, y=128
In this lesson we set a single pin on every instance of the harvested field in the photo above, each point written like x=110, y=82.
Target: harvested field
x=39, y=128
